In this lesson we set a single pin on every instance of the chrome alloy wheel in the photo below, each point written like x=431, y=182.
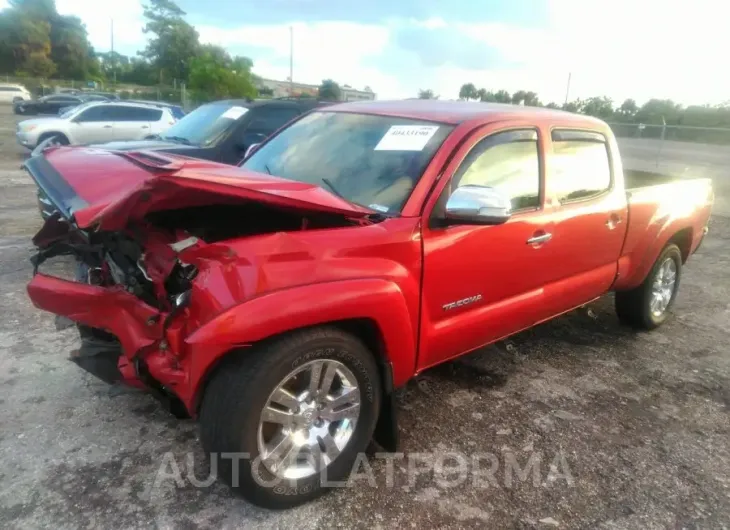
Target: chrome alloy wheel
x=308, y=419
x=662, y=287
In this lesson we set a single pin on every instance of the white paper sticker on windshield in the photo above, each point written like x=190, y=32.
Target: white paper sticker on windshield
x=406, y=138
x=234, y=113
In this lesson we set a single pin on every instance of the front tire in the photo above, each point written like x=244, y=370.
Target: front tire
x=302, y=407
x=647, y=306
x=57, y=139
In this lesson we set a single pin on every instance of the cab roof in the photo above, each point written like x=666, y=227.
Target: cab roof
x=455, y=112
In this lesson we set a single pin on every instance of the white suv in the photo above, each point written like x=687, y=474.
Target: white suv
x=96, y=122
x=13, y=93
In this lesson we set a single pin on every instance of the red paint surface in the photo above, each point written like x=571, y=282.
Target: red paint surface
x=397, y=274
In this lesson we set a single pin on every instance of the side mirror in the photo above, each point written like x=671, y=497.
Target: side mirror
x=250, y=150
x=478, y=205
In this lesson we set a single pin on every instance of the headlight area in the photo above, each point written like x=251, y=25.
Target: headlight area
x=129, y=302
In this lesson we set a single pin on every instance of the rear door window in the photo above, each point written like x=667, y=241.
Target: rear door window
x=580, y=166
x=124, y=113
x=95, y=113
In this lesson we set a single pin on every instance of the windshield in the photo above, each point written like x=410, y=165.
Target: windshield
x=372, y=161
x=206, y=124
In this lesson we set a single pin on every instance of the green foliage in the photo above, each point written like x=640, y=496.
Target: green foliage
x=524, y=97
x=600, y=107
x=330, y=91
x=468, y=92
x=173, y=42
x=427, y=94
x=628, y=108
x=215, y=75
x=35, y=40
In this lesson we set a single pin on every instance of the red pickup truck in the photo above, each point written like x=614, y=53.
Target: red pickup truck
x=281, y=302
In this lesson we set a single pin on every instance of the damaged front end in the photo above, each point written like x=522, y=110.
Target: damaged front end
x=151, y=239
x=126, y=294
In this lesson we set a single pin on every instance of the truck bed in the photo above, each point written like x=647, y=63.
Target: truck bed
x=635, y=180
x=661, y=206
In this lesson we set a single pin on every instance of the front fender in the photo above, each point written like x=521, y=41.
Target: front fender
x=277, y=312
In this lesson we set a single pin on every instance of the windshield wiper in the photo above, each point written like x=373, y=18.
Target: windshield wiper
x=178, y=139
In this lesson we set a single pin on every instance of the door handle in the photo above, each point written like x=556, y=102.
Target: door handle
x=542, y=238
x=107, y=126
x=613, y=221
x=145, y=126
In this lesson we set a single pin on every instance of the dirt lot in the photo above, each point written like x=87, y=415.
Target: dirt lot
x=636, y=426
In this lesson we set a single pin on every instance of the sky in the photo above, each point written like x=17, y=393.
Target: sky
x=618, y=48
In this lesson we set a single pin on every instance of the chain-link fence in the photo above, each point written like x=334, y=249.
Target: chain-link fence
x=677, y=133
x=38, y=87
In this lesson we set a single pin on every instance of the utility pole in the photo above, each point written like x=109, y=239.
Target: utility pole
x=114, y=70
x=567, y=88
x=291, y=60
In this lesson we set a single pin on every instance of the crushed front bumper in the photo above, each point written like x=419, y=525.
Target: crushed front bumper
x=144, y=356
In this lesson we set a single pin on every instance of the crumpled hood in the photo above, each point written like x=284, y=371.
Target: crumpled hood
x=107, y=189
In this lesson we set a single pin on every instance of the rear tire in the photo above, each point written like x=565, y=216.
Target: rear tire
x=232, y=420
x=634, y=307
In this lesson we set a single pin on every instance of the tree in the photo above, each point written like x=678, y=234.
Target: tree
x=427, y=94
x=330, y=91
x=600, y=107
x=628, y=108
x=36, y=40
x=173, y=41
x=552, y=105
x=502, y=96
x=657, y=111
x=573, y=106
x=25, y=42
x=522, y=97
x=70, y=48
x=215, y=75
x=468, y=91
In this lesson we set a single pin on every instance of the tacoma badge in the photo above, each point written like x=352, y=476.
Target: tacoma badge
x=462, y=302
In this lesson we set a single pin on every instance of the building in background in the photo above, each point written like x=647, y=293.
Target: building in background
x=280, y=89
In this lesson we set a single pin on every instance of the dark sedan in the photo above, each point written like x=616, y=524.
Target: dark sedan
x=47, y=104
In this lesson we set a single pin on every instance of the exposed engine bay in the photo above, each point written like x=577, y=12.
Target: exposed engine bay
x=144, y=258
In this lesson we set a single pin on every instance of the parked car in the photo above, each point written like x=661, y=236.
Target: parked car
x=107, y=96
x=46, y=104
x=13, y=93
x=85, y=98
x=222, y=131
x=94, y=122
x=281, y=303
x=177, y=111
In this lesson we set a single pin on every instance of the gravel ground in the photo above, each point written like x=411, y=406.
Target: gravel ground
x=584, y=424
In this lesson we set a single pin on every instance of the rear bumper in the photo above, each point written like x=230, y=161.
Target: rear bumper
x=143, y=357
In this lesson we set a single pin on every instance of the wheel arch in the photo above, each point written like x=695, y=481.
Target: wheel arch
x=50, y=134
x=683, y=239
x=671, y=233
x=365, y=329
x=374, y=310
